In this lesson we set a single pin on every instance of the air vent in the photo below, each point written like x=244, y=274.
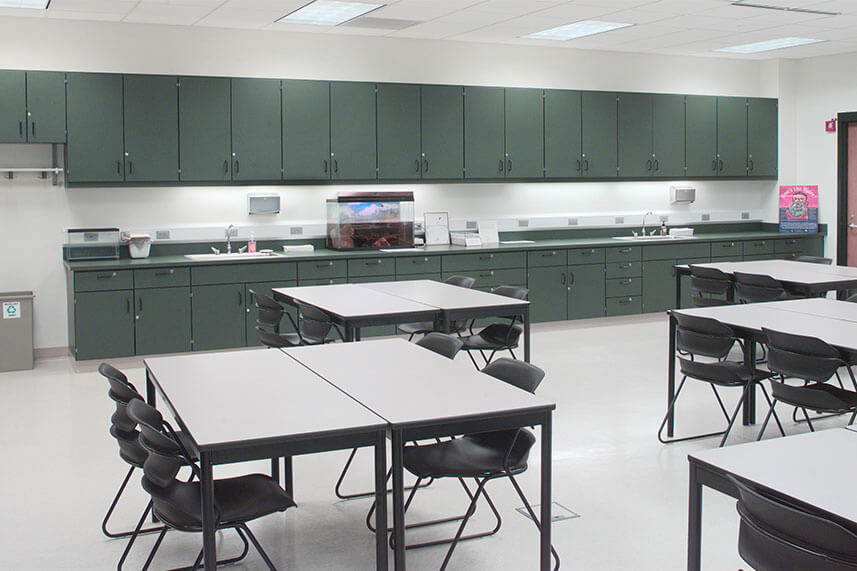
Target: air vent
x=572, y=221
x=296, y=230
x=380, y=23
x=664, y=219
x=745, y=216
x=619, y=220
x=706, y=217
x=162, y=235
x=471, y=225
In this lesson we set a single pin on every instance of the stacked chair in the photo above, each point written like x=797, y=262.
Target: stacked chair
x=313, y=326
x=710, y=286
x=496, y=337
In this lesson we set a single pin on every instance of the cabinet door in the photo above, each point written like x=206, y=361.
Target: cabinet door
x=442, y=123
x=635, y=135
x=13, y=106
x=103, y=325
x=525, y=133
x=399, y=132
x=731, y=136
x=205, y=129
x=251, y=311
x=46, y=106
x=162, y=320
x=701, y=135
x=151, y=128
x=218, y=317
x=562, y=133
x=658, y=285
x=586, y=291
x=598, y=126
x=762, y=138
x=352, y=131
x=548, y=293
x=484, y=132
x=306, y=130
x=94, y=115
x=668, y=135
x=256, y=129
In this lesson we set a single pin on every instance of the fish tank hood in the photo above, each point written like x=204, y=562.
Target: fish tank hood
x=366, y=220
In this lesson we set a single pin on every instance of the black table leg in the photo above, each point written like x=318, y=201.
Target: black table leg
x=381, y=501
x=677, y=288
x=151, y=397
x=526, y=319
x=349, y=332
x=288, y=476
x=275, y=469
x=206, y=487
x=694, y=521
x=671, y=376
x=357, y=334
x=398, y=502
x=545, y=516
x=748, y=416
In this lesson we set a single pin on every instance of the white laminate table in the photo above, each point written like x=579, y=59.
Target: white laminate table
x=248, y=405
x=424, y=395
x=815, y=469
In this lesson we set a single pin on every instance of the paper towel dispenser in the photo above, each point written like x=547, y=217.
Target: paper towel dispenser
x=682, y=194
x=263, y=204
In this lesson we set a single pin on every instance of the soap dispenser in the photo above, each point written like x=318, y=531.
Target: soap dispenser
x=251, y=245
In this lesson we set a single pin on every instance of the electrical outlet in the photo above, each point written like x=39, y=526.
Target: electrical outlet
x=664, y=219
x=523, y=223
x=620, y=219
x=162, y=235
x=706, y=217
x=572, y=221
x=471, y=225
x=296, y=230
x=745, y=216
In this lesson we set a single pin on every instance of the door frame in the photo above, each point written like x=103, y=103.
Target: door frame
x=843, y=120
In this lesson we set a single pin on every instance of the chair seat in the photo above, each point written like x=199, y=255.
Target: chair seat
x=710, y=302
x=723, y=373
x=468, y=456
x=416, y=328
x=494, y=336
x=240, y=499
x=820, y=397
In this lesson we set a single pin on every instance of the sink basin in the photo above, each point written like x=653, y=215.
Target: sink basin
x=651, y=238
x=233, y=256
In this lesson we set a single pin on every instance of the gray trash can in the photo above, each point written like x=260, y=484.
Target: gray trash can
x=16, y=330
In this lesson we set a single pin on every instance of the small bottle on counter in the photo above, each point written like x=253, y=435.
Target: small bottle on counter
x=251, y=245
x=663, y=228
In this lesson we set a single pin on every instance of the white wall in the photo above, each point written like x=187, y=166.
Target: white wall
x=35, y=215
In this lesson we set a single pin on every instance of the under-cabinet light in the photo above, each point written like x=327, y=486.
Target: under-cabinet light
x=769, y=45
x=328, y=12
x=576, y=30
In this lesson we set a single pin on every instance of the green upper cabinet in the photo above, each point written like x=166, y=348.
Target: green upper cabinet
x=668, y=136
x=151, y=128
x=442, y=124
x=205, y=129
x=701, y=135
x=94, y=152
x=731, y=136
x=762, y=137
x=525, y=133
x=45, y=106
x=636, y=140
x=353, y=131
x=13, y=106
x=256, y=129
x=399, y=154
x=562, y=133
x=484, y=133
x=306, y=130
x=599, y=156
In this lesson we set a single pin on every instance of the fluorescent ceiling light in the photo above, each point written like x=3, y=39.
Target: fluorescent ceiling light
x=769, y=45
x=576, y=30
x=35, y=4
x=328, y=12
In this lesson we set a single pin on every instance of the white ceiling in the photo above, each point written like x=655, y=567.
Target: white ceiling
x=678, y=27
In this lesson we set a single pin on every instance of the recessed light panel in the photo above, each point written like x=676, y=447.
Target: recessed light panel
x=769, y=45
x=576, y=30
x=35, y=4
x=328, y=12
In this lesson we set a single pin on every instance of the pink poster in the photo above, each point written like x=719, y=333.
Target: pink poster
x=799, y=208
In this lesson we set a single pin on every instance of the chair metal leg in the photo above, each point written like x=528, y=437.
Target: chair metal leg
x=236, y=559
x=473, y=359
x=134, y=536
x=771, y=404
x=670, y=409
x=735, y=414
x=154, y=549
x=808, y=421
x=258, y=546
x=532, y=515
x=470, y=511
x=128, y=533
x=342, y=496
x=767, y=418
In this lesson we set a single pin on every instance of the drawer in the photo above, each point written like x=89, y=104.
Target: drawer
x=624, y=287
x=370, y=279
x=624, y=270
x=727, y=248
x=493, y=278
x=758, y=247
x=789, y=245
x=464, y=263
x=628, y=305
x=104, y=280
x=585, y=256
x=362, y=267
x=543, y=258
x=676, y=251
x=624, y=253
x=317, y=269
x=417, y=265
x=161, y=277
x=242, y=273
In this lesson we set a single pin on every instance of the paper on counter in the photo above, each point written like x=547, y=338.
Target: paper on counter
x=517, y=242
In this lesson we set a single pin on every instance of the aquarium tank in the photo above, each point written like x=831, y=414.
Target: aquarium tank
x=363, y=220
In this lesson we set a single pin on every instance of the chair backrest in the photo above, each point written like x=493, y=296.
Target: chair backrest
x=815, y=260
x=442, y=344
x=461, y=281
x=709, y=280
x=776, y=534
x=703, y=336
x=517, y=292
x=753, y=288
x=800, y=356
x=269, y=313
x=314, y=325
x=122, y=427
x=518, y=373
x=166, y=456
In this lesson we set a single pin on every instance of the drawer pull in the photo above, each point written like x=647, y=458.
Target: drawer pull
x=791, y=242
x=588, y=253
x=625, y=251
x=105, y=276
x=165, y=272
x=763, y=243
x=625, y=301
x=626, y=282
x=374, y=263
x=488, y=275
x=324, y=265
x=549, y=254
x=488, y=257
x=625, y=266
x=418, y=261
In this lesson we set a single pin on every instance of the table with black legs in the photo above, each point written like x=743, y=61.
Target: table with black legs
x=249, y=405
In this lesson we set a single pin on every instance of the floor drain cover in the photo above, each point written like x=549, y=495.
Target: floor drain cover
x=558, y=512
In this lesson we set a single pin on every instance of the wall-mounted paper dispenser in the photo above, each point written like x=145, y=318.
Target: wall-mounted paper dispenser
x=263, y=204
x=682, y=194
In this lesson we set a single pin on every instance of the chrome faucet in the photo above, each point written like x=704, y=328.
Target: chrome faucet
x=229, y=230
x=643, y=228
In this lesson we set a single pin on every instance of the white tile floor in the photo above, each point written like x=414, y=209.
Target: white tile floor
x=60, y=469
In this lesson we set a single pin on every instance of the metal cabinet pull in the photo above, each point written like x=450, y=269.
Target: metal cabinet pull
x=714, y=165
x=648, y=165
x=657, y=165
x=720, y=164
x=488, y=275
x=752, y=165
x=240, y=299
x=324, y=163
x=127, y=305
x=625, y=251
x=626, y=282
x=21, y=128
x=165, y=272
x=563, y=278
x=118, y=167
x=130, y=167
x=588, y=253
x=509, y=165
x=586, y=165
x=577, y=168
x=226, y=166
x=425, y=165
x=324, y=265
x=140, y=304
x=335, y=166
x=105, y=276
x=500, y=166
x=237, y=166
x=626, y=301
x=625, y=266
x=33, y=128
x=570, y=278
x=417, y=166
x=488, y=257
x=549, y=254
x=374, y=262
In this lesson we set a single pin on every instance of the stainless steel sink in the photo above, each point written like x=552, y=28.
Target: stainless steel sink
x=658, y=238
x=233, y=256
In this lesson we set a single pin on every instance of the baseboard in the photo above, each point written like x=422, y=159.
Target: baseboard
x=51, y=352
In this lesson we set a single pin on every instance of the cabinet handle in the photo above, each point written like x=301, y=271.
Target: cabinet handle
x=237, y=166
x=714, y=165
x=578, y=166
x=648, y=165
x=626, y=282
x=488, y=275
x=425, y=166
x=130, y=167
x=500, y=166
x=240, y=299
x=570, y=278
x=105, y=276
x=720, y=165
x=626, y=301
x=488, y=257
x=657, y=165
x=21, y=128
x=791, y=241
x=509, y=165
x=335, y=166
x=586, y=165
x=324, y=265
x=226, y=166
x=140, y=304
x=416, y=166
x=165, y=272
x=418, y=261
x=33, y=128
x=324, y=163
x=374, y=263
x=752, y=164
x=625, y=266
x=625, y=251
x=563, y=278
x=118, y=167
x=761, y=243
x=549, y=254
x=127, y=305
x=588, y=253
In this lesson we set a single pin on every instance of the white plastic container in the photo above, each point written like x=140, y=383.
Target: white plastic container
x=681, y=231
x=139, y=245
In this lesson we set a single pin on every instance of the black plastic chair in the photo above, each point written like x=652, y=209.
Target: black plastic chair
x=778, y=534
x=755, y=288
x=712, y=286
x=442, y=344
x=177, y=503
x=496, y=336
x=705, y=337
x=269, y=316
x=815, y=260
x=815, y=362
x=483, y=457
x=314, y=326
x=423, y=327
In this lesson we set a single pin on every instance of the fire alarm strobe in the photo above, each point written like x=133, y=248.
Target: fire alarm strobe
x=830, y=126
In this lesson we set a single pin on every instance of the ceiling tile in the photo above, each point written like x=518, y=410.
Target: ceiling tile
x=173, y=13
x=226, y=17
x=92, y=6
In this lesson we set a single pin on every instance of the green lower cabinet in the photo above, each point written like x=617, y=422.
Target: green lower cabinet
x=265, y=288
x=218, y=317
x=629, y=305
x=162, y=320
x=586, y=291
x=104, y=324
x=548, y=293
x=658, y=286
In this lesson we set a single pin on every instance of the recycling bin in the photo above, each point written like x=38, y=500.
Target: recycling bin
x=16, y=331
